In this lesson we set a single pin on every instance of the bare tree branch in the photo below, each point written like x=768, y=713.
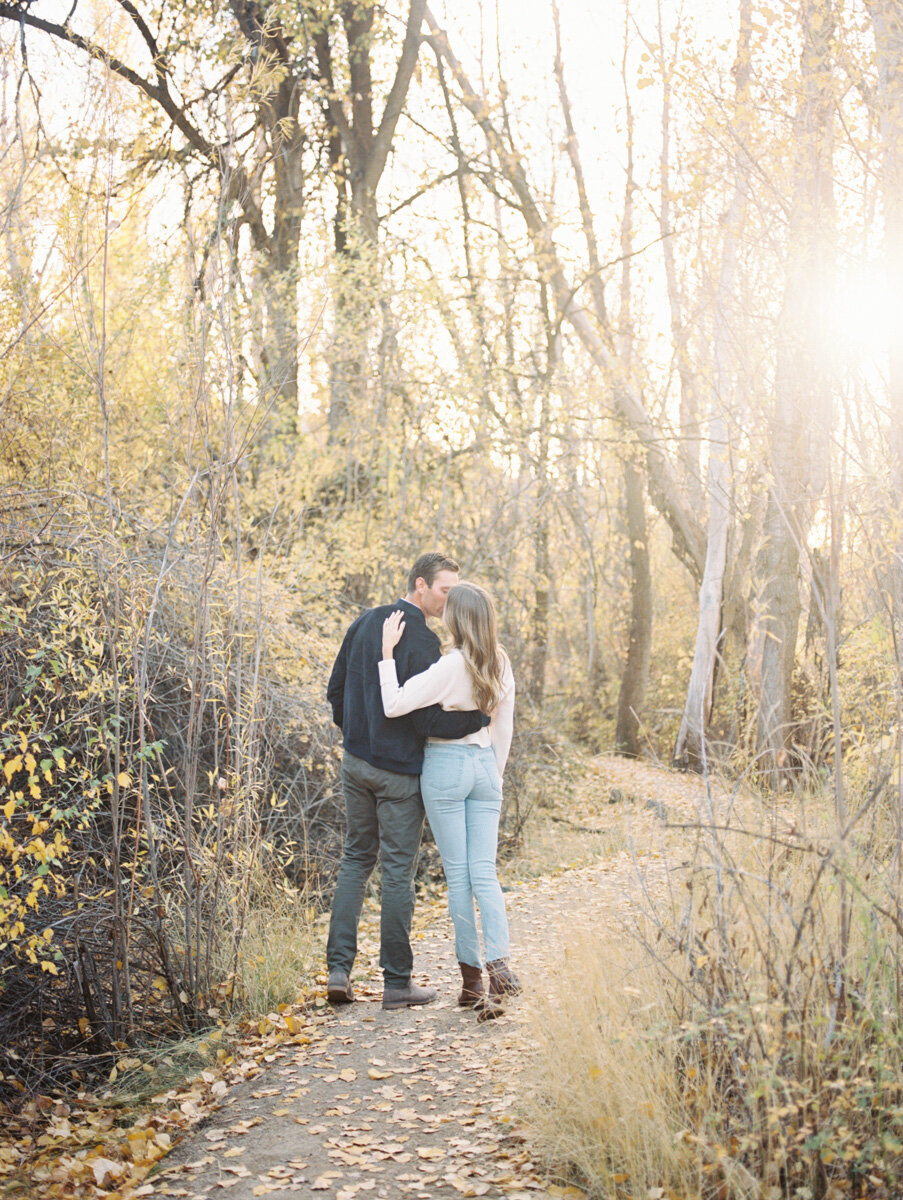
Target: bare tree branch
x=689, y=540
x=236, y=182
x=398, y=92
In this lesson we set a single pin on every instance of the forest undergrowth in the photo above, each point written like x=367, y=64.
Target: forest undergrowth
x=171, y=823
x=159, y=794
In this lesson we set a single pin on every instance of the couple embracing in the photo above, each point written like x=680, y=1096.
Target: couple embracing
x=423, y=730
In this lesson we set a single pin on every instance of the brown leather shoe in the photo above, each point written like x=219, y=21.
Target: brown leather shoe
x=407, y=997
x=472, y=990
x=338, y=988
x=502, y=980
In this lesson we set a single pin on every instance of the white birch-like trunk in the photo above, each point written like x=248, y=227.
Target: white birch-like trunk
x=689, y=750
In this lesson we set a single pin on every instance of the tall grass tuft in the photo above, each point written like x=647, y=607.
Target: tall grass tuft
x=604, y=1099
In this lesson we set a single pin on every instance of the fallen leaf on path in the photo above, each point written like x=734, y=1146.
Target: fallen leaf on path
x=105, y=1169
x=467, y=1187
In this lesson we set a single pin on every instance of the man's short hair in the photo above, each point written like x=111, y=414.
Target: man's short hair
x=428, y=566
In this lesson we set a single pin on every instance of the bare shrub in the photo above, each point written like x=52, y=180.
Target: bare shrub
x=766, y=1059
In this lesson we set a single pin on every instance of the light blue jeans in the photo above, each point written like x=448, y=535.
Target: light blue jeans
x=462, y=795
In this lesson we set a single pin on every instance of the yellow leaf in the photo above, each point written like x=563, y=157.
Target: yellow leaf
x=8, y=809
x=11, y=766
x=49, y=967
x=233, y=1152
x=124, y=780
x=35, y=791
x=30, y=763
x=23, y=741
x=374, y=1074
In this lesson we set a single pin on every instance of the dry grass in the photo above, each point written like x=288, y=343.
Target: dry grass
x=280, y=954
x=742, y=1037
x=604, y=1102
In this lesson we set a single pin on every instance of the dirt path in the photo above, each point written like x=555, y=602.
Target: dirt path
x=423, y=1102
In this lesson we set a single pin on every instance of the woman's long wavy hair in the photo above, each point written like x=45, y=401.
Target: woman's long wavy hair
x=470, y=619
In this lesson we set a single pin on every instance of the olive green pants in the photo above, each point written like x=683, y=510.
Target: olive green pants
x=384, y=821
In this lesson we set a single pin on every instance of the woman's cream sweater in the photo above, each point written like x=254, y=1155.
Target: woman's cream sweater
x=447, y=683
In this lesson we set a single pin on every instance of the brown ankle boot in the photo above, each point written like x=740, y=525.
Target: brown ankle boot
x=472, y=991
x=502, y=980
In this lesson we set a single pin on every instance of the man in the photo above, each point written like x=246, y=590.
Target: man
x=381, y=779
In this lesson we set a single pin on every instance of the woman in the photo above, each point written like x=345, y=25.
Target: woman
x=461, y=780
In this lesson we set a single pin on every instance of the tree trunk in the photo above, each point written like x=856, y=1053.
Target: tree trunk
x=279, y=113
x=632, y=694
x=689, y=751
x=542, y=557
x=635, y=677
x=887, y=22
x=690, y=431
x=278, y=386
x=799, y=448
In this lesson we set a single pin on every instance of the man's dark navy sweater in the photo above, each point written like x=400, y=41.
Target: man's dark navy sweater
x=393, y=744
